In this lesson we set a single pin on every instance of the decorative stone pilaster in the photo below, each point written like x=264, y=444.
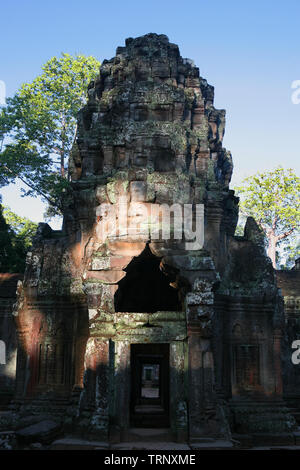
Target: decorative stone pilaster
x=93, y=405
x=277, y=351
x=204, y=417
x=120, y=420
x=178, y=396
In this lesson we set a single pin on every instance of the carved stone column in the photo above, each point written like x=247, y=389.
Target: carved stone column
x=204, y=419
x=122, y=388
x=178, y=398
x=95, y=394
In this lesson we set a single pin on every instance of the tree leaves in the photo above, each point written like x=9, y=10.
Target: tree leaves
x=273, y=199
x=16, y=235
x=38, y=125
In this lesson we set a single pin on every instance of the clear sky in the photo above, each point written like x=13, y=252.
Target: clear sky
x=249, y=51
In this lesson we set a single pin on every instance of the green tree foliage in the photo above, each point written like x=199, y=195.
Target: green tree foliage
x=16, y=234
x=239, y=231
x=273, y=199
x=6, y=247
x=38, y=126
x=290, y=251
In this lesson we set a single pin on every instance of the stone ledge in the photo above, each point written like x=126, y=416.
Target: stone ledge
x=44, y=431
x=297, y=438
x=217, y=444
x=150, y=446
x=70, y=443
x=268, y=439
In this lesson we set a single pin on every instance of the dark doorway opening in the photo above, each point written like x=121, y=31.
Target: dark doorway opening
x=146, y=288
x=149, y=404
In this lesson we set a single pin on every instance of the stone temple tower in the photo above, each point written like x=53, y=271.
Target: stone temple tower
x=123, y=319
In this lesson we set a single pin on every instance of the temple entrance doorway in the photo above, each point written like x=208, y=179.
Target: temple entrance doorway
x=149, y=404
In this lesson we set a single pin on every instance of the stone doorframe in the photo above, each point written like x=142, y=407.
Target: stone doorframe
x=107, y=371
x=177, y=387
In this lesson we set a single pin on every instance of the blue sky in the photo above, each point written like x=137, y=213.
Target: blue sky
x=248, y=50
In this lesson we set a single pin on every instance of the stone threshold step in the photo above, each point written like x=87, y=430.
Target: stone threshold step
x=70, y=443
x=156, y=446
x=137, y=434
x=212, y=444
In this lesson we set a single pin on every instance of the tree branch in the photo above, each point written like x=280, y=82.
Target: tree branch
x=34, y=188
x=274, y=224
x=285, y=234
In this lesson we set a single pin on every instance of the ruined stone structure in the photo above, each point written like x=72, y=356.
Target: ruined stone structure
x=289, y=284
x=95, y=312
x=8, y=347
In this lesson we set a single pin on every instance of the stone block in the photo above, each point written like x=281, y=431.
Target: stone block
x=69, y=443
x=160, y=70
x=100, y=263
x=270, y=439
x=297, y=438
x=199, y=298
x=44, y=432
x=216, y=444
x=126, y=248
x=242, y=441
x=138, y=191
x=191, y=263
x=108, y=277
x=119, y=262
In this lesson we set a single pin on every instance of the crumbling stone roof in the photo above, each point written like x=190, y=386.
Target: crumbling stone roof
x=150, y=108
